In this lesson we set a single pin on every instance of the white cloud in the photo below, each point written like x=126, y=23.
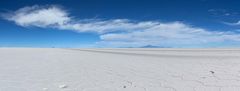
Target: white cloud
x=233, y=24
x=39, y=16
x=121, y=32
x=174, y=34
x=55, y=17
x=104, y=26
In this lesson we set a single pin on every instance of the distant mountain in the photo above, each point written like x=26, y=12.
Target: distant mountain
x=151, y=46
x=147, y=46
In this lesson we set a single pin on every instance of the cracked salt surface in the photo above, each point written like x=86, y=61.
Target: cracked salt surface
x=26, y=69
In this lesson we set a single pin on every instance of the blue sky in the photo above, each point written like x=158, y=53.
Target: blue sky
x=120, y=23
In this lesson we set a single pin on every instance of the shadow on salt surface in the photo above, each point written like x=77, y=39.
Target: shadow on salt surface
x=158, y=54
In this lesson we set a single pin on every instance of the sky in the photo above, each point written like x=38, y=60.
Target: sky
x=120, y=23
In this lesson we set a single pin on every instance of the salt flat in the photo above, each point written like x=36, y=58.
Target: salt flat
x=46, y=69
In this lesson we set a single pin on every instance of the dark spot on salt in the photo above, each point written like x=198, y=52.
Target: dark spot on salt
x=124, y=86
x=212, y=72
